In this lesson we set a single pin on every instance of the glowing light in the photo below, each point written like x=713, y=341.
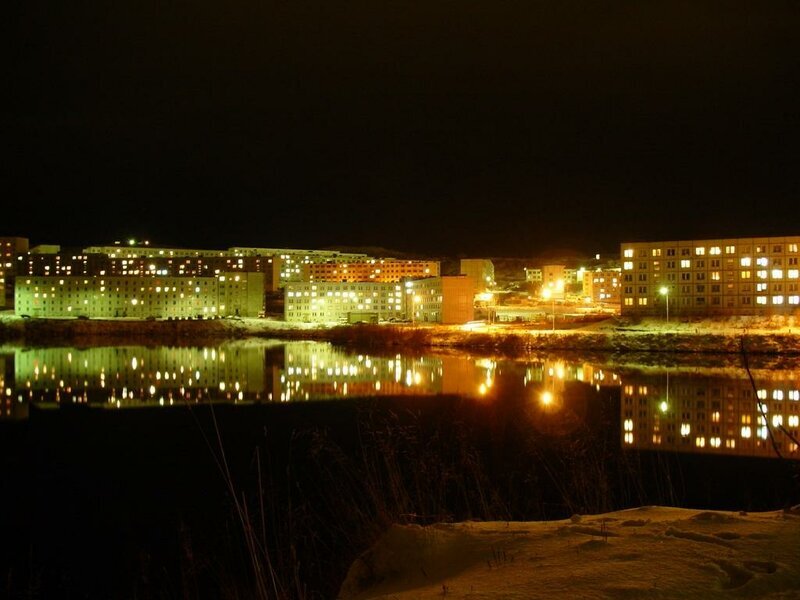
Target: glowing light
x=546, y=398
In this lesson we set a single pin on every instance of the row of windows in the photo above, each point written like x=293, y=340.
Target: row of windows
x=714, y=288
x=713, y=250
x=776, y=263
x=717, y=301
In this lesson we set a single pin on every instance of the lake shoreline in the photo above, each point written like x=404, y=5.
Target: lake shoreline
x=613, y=336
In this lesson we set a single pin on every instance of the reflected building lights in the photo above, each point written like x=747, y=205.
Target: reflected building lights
x=708, y=410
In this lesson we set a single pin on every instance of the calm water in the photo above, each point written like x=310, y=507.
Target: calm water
x=112, y=485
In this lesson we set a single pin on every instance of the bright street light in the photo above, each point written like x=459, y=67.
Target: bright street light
x=550, y=293
x=664, y=291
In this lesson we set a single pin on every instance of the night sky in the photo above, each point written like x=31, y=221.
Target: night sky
x=442, y=128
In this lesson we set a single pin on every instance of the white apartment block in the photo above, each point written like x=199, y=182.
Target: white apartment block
x=227, y=294
x=342, y=302
x=737, y=276
x=447, y=299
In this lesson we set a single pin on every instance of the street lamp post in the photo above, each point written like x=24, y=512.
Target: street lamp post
x=665, y=292
x=546, y=294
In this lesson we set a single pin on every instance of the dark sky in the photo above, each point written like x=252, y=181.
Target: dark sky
x=479, y=128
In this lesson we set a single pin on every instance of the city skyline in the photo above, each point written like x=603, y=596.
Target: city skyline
x=433, y=129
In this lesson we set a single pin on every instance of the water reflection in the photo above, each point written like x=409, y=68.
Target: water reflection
x=710, y=410
x=701, y=410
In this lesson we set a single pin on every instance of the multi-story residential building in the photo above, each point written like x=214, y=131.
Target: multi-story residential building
x=97, y=296
x=602, y=286
x=736, y=276
x=343, y=302
x=431, y=299
x=533, y=275
x=10, y=247
x=482, y=272
x=376, y=269
x=446, y=299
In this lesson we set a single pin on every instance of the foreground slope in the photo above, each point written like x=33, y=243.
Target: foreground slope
x=648, y=552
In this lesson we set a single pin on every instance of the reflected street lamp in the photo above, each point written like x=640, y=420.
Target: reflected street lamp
x=665, y=292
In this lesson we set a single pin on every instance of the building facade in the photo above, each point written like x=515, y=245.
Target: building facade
x=448, y=299
x=377, y=269
x=602, y=286
x=737, y=276
x=343, y=302
x=10, y=247
x=228, y=294
x=482, y=272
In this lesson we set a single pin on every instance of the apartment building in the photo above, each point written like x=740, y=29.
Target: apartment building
x=448, y=299
x=736, y=276
x=9, y=248
x=96, y=296
x=482, y=272
x=385, y=270
x=602, y=286
x=343, y=302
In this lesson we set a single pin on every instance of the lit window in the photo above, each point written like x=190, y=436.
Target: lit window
x=777, y=299
x=745, y=261
x=761, y=299
x=700, y=251
x=628, y=301
x=715, y=250
x=628, y=253
x=685, y=264
x=794, y=299
x=762, y=274
x=792, y=273
x=627, y=265
x=642, y=301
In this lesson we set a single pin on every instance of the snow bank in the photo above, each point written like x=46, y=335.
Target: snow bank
x=649, y=552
